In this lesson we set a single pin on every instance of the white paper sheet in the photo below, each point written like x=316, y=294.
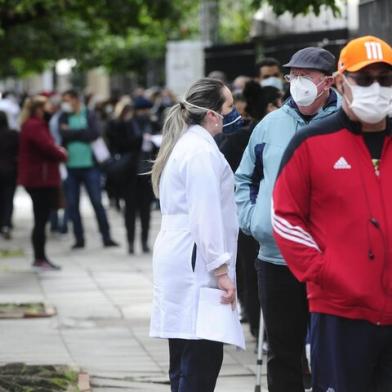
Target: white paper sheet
x=100, y=150
x=216, y=321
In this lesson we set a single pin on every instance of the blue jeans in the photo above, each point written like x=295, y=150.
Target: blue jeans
x=91, y=179
x=194, y=365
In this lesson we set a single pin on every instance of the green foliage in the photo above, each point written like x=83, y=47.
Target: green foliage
x=298, y=6
x=115, y=33
x=121, y=35
x=235, y=20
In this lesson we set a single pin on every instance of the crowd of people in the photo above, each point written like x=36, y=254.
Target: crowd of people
x=300, y=231
x=311, y=191
x=47, y=146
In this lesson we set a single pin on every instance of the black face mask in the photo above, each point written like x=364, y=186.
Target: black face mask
x=47, y=116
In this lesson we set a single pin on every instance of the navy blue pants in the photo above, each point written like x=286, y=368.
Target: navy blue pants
x=194, y=365
x=350, y=355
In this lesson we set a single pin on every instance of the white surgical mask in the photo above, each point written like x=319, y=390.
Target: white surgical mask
x=66, y=107
x=370, y=104
x=304, y=91
x=272, y=81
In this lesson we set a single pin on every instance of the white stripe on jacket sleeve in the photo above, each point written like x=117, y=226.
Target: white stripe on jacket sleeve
x=293, y=233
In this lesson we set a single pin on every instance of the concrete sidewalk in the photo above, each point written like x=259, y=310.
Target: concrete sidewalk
x=103, y=299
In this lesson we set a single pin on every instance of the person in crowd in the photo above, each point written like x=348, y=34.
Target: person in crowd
x=239, y=83
x=332, y=221
x=239, y=102
x=9, y=146
x=259, y=101
x=78, y=129
x=282, y=297
x=269, y=73
x=38, y=172
x=9, y=105
x=196, y=246
x=125, y=142
x=217, y=74
x=139, y=195
x=163, y=100
x=58, y=223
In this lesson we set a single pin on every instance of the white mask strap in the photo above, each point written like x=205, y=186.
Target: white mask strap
x=201, y=108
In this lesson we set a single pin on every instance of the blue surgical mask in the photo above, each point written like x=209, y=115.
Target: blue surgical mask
x=232, y=121
x=272, y=81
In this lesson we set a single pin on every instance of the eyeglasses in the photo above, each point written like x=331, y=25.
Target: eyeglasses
x=366, y=80
x=289, y=78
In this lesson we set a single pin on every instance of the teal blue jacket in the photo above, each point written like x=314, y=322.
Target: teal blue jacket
x=256, y=175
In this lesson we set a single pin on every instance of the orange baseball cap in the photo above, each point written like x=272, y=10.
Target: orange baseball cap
x=363, y=51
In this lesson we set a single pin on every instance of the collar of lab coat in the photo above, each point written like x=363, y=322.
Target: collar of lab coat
x=202, y=132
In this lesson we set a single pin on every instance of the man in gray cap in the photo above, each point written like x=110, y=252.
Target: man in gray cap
x=283, y=298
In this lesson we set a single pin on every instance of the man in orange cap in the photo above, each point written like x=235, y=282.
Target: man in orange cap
x=332, y=220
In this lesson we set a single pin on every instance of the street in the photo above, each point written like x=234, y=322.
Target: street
x=103, y=299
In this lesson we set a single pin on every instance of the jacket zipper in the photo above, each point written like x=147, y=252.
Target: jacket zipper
x=384, y=238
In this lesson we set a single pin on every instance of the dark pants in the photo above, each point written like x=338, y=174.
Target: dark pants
x=350, y=355
x=7, y=192
x=91, y=179
x=138, y=198
x=44, y=199
x=285, y=311
x=194, y=365
x=247, y=280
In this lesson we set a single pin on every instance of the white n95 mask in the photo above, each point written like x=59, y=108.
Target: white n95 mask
x=303, y=91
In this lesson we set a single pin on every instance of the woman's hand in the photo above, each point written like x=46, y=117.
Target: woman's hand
x=227, y=285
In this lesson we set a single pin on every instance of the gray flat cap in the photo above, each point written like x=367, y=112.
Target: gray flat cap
x=313, y=58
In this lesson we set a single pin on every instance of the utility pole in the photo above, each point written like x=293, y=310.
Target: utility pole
x=209, y=21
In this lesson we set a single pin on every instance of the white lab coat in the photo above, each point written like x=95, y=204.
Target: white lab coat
x=198, y=207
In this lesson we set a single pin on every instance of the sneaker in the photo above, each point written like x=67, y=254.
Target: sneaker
x=109, y=243
x=145, y=248
x=78, y=245
x=131, y=249
x=45, y=265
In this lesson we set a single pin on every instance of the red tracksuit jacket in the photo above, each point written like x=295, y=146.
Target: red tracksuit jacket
x=332, y=219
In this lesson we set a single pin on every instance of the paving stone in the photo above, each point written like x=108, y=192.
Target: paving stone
x=103, y=298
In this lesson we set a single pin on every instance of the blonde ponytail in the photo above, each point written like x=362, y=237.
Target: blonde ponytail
x=205, y=94
x=173, y=128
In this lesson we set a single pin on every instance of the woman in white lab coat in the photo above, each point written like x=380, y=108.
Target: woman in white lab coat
x=196, y=246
